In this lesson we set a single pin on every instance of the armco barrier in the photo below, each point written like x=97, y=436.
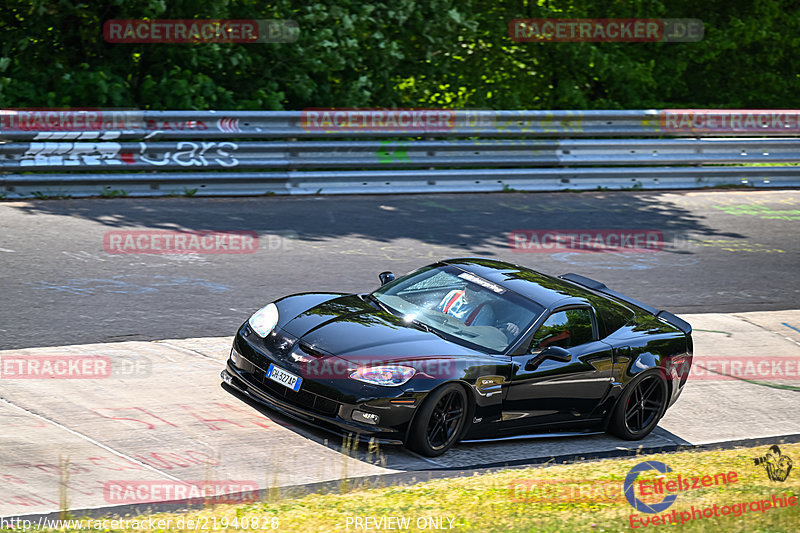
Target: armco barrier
x=156, y=153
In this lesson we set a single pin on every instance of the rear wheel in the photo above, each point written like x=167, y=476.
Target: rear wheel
x=640, y=407
x=440, y=421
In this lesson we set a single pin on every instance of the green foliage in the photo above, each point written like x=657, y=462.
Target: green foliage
x=399, y=53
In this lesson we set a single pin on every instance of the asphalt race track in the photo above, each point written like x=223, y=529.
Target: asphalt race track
x=729, y=265
x=727, y=251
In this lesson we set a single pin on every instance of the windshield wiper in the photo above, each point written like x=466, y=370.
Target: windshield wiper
x=425, y=327
x=416, y=323
x=379, y=303
x=421, y=325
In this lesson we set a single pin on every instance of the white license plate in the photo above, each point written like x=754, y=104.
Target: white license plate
x=287, y=379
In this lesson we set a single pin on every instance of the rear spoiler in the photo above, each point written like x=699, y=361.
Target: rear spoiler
x=666, y=316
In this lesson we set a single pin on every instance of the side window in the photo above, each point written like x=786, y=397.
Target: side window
x=565, y=329
x=611, y=314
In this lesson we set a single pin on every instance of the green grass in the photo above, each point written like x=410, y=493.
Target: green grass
x=485, y=503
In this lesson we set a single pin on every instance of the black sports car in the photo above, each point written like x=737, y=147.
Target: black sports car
x=466, y=349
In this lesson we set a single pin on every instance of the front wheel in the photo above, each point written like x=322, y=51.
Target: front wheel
x=640, y=407
x=440, y=421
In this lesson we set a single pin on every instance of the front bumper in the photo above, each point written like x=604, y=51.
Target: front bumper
x=336, y=425
x=328, y=404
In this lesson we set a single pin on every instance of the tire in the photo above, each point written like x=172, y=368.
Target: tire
x=640, y=407
x=428, y=436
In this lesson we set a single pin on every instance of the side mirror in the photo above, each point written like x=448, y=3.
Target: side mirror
x=556, y=353
x=385, y=277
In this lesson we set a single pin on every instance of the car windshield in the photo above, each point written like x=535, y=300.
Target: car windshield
x=460, y=306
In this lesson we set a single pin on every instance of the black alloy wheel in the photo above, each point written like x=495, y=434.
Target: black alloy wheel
x=641, y=406
x=440, y=421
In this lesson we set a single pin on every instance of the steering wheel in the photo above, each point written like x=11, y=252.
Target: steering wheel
x=436, y=315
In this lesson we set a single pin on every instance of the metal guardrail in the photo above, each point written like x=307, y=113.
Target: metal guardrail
x=214, y=153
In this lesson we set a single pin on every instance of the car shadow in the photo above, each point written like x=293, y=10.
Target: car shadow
x=519, y=451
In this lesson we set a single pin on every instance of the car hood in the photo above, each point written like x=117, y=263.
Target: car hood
x=351, y=328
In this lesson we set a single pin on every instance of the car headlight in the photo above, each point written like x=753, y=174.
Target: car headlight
x=387, y=375
x=264, y=320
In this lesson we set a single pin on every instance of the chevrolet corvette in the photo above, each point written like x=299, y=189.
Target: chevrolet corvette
x=465, y=350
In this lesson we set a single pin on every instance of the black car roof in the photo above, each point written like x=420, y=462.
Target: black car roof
x=541, y=288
